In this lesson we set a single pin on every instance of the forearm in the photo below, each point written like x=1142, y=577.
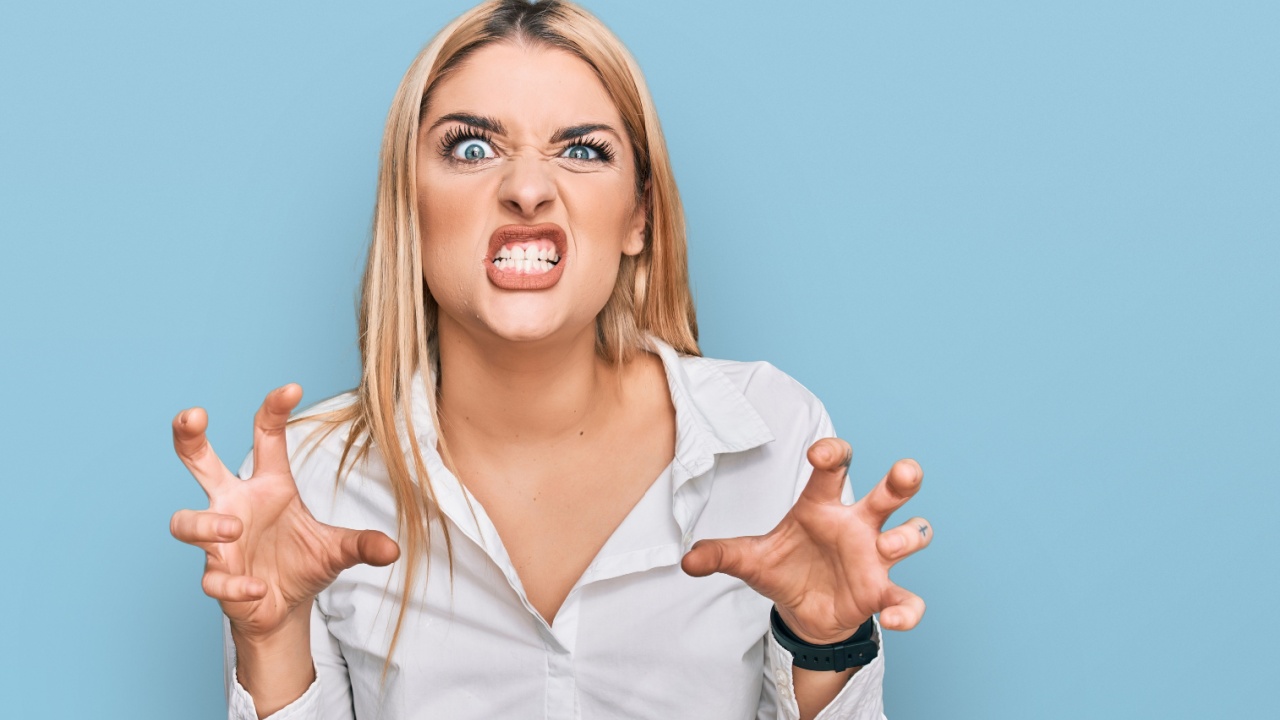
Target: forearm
x=277, y=669
x=815, y=689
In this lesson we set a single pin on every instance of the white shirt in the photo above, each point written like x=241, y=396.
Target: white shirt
x=635, y=638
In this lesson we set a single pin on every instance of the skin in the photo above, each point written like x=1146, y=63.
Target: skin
x=524, y=395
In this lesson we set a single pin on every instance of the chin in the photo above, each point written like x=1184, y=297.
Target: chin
x=525, y=334
x=533, y=319
x=526, y=328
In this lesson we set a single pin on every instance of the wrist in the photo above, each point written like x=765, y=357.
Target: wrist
x=276, y=668
x=788, y=621
x=296, y=623
x=852, y=651
x=252, y=634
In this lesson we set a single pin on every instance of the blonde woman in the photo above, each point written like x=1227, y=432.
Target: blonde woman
x=590, y=520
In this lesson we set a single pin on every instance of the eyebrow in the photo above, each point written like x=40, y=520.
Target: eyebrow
x=573, y=131
x=494, y=125
x=483, y=122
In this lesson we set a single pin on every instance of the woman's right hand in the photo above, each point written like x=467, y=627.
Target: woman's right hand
x=266, y=555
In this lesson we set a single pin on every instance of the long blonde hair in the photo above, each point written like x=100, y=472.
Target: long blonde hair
x=397, y=317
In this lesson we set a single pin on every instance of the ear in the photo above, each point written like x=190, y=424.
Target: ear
x=634, y=243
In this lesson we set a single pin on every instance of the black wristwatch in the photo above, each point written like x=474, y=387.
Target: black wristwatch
x=857, y=650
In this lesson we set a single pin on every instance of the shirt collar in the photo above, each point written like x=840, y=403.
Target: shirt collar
x=712, y=414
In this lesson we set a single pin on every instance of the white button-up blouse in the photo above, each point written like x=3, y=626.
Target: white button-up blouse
x=635, y=638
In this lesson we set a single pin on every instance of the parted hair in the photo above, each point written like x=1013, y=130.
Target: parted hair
x=397, y=316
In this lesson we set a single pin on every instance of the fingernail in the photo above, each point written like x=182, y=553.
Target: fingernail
x=226, y=528
x=894, y=544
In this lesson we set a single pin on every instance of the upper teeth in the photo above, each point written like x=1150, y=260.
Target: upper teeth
x=520, y=253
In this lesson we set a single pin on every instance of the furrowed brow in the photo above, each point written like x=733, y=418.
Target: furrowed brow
x=483, y=122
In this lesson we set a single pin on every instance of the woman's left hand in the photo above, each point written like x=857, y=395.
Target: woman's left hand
x=826, y=565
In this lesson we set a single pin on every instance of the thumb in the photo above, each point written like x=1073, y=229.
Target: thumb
x=731, y=556
x=366, y=546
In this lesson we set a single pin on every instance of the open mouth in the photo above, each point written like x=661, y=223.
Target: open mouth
x=526, y=257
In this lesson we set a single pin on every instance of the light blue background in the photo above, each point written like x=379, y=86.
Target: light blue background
x=1033, y=245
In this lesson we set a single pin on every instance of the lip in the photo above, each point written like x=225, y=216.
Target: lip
x=512, y=280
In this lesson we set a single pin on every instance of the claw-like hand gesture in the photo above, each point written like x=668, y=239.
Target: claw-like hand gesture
x=826, y=565
x=266, y=555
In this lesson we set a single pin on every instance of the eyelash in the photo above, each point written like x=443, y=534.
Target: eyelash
x=460, y=133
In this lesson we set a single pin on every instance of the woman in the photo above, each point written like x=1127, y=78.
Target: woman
x=589, y=511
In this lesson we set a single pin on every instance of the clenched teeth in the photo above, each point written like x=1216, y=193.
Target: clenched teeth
x=528, y=260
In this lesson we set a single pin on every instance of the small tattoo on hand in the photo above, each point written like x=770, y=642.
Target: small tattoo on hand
x=924, y=530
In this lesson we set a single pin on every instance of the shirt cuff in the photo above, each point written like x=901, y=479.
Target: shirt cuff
x=862, y=698
x=240, y=703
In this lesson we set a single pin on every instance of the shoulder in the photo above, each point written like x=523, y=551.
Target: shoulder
x=780, y=400
x=792, y=414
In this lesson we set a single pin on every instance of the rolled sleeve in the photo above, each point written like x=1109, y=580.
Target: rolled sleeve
x=240, y=704
x=862, y=698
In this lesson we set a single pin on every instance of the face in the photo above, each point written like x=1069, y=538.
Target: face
x=526, y=195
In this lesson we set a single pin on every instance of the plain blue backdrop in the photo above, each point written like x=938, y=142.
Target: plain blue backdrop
x=1035, y=246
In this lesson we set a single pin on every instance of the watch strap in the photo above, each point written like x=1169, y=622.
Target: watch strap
x=854, y=651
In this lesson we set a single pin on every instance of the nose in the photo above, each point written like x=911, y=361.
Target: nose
x=527, y=187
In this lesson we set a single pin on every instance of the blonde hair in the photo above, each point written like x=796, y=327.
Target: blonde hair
x=397, y=316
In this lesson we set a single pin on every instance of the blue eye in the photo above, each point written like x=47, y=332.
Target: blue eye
x=581, y=152
x=472, y=149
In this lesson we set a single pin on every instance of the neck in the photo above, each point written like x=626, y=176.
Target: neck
x=524, y=394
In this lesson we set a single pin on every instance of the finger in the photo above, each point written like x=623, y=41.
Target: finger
x=367, y=546
x=912, y=535
x=903, y=611
x=204, y=527
x=270, y=453
x=895, y=489
x=830, y=458
x=232, y=588
x=193, y=448
x=731, y=556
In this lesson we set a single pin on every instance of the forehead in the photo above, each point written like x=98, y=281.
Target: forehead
x=530, y=87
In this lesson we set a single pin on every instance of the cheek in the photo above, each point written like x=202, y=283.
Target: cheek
x=449, y=220
x=601, y=211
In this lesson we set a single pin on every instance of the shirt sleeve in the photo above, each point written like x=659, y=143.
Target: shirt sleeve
x=862, y=698
x=328, y=697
